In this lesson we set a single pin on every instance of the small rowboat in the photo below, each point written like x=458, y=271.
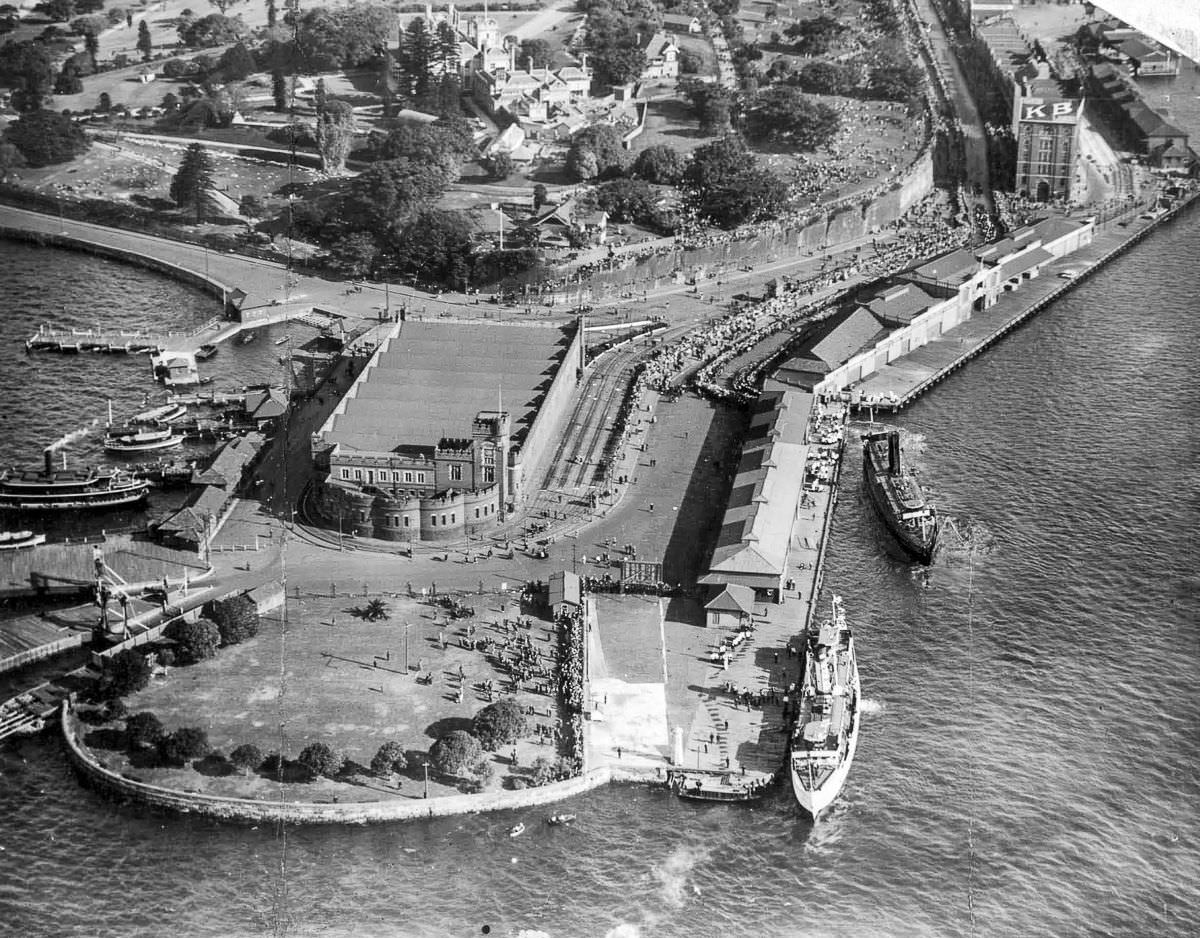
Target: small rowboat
x=516, y=830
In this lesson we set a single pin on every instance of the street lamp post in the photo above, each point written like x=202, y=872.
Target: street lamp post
x=406, y=625
x=426, y=765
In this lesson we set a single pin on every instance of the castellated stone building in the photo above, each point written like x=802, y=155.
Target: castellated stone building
x=446, y=429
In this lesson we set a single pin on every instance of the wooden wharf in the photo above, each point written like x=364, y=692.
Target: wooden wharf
x=900, y=382
x=109, y=341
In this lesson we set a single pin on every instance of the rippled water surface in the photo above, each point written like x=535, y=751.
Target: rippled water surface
x=1028, y=766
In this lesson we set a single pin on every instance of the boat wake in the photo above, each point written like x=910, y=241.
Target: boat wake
x=673, y=874
x=867, y=705
x=961, y=538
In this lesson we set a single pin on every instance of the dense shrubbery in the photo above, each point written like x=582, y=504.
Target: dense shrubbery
x=45, y=137
x=183, y=745
x=321, y=759
x=236, y=618
x=247, y=757
x=456, y=753
x=143, y=730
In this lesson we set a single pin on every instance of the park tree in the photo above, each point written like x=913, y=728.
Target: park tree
x=10, y=160
x=240, y=629
x=540, y=196
x=690, y=62
x=829, y=78
x=198, y=640
x=784, y=113
x=183, y=745
x=660, y=164
x=353, y=254
x=91, y=45
x=247, y=757
x=27, y=68
x=385, y=196
x=126, y=673
x=435, y=247
x=335, y=134
x=603, y=142
x=211, y=31
x=68, y=81
x=223, y=5
x=444, y=144
x=236, y=63
x=713, y=104
x=145, y=45
x=88, y=6
x=272, y=13
x=895, y=82
x=729, y=188
x=499, y=724
x=57, y=11
x=279, y=89
x=815, y=36
x=499, y=165
x=456, y=753
x=236, y=617
x=143, y=730
x=192, y=180
x=627, y=200
x=537, y=51
x=104, y=102
x=320, y=759
x=618, y=65
x=389, y=759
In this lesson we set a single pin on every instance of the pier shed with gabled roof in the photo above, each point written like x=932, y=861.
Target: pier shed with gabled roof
x=756, y=532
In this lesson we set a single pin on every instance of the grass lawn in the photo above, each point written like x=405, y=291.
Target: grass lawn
x=330, y=676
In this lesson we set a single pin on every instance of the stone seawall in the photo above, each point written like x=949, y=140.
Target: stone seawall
x=243, y=810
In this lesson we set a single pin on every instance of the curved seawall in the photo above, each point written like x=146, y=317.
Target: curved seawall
x=245, y=810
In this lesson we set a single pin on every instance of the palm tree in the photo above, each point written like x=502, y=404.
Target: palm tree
x=376, y=609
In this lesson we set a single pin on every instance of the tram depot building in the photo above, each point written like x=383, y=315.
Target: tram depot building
x=444, y=431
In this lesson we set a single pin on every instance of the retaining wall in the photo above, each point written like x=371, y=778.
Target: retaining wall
x=302, y=812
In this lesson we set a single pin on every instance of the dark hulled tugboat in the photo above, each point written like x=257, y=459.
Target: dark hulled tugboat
x=897, y=496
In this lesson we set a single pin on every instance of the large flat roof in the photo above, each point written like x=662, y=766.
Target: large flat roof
x=427, y=382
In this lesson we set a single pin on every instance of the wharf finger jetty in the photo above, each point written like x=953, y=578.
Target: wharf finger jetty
x=110, y=341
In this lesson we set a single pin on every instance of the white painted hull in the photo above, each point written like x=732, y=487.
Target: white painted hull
x=814, y=802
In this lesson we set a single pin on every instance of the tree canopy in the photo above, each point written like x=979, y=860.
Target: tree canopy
x=389, y=759
x=246, y=757
x=183, y=745
x=815, y=36
x=194, y=641
x=321, y=759
x=660, y=164
x=126, y=673
x=783, y=113
x=596, y=151
x=143, y=730
x=193, y=178
x=829, y=78
x=729, y=188
x=236, y=617
x=499, y=724
x=212, y=30
x=455, y=753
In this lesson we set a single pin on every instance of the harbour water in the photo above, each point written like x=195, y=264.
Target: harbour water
x=1027, y=764
x=50, y=395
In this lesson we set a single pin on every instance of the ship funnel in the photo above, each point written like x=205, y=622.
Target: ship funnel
x=894, y=452
x=48, y=456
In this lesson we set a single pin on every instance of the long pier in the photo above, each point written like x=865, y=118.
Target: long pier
x=897, y=384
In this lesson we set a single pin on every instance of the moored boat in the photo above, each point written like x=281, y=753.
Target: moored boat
x=65, y=490
x=825, y=735
x=143, y=440
x=206, y=351
x=897, y=496
x=165, y=413
x=15, y=540
x=516, y=830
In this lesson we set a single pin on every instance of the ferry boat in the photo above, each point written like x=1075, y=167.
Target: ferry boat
x=206, y=351
x=897, y=495
x=15, y=540
x=166, y=413
x=65, y=490
x=143, y=440
x=826, y=732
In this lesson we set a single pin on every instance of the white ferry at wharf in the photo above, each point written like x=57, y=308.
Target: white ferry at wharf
x=826, y=732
